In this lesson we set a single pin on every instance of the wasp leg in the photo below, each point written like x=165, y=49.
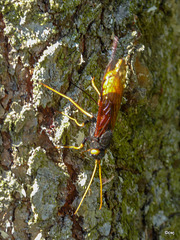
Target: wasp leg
x=77, y=123
x=68, y=98
x=92, y=177
x=73, y=147
x=100, y=180
x=94, y=86
x=73, y=119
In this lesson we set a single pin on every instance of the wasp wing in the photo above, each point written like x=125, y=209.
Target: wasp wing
x=110, y=99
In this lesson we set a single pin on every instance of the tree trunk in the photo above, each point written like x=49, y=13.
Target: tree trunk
x=64, y=44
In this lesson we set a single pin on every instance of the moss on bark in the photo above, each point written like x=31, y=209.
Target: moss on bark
x=60, y=42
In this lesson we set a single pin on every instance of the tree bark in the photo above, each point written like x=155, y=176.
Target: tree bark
x=63, y=44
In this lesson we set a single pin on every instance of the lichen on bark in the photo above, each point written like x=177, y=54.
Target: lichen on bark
x=62, y=43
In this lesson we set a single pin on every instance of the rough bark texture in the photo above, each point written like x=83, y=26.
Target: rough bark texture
x=58, y=42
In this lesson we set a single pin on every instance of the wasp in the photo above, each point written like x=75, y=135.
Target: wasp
x=101, y=130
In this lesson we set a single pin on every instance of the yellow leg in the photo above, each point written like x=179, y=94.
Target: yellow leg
x=92, y=177
x=68, y=98
x=79, y=124
x=94, y=86
x=100, y=180
x=73, y=147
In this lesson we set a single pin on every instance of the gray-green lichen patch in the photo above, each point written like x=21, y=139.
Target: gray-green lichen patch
x=62, y=232
x=19, y=120
x=44, y=189
x=66, y=8
x=54, y=67
x=28, y=31
x=24, y=21
x=98, y=221
x=46, y=70
x=8, y=186
x=88, y=16
x=69, y=40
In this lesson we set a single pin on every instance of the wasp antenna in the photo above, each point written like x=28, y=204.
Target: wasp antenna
x=100, y=180
x=70, y=99
x=94, y=86
x=84, y=92
x=92, y=177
